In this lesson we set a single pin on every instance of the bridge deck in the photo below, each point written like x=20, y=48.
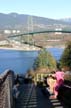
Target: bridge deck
x=39, y=32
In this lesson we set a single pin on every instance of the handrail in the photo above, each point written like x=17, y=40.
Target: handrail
x=67, y=86
x=6, y=85
x=4, y=75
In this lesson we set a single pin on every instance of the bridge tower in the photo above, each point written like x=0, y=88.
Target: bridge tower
x=30, y=29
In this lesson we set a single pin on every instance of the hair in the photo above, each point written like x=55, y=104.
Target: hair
x=17, y=80
x=59, y=69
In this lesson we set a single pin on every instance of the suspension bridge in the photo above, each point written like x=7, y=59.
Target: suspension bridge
x=42, y=38
x=40, y=32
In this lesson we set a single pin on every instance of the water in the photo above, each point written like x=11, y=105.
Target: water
x=21, y=61
x=56, y=52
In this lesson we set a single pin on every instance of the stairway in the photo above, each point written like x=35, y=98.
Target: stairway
x=32, y=97
x=27, y=97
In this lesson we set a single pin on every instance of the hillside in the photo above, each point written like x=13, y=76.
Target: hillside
x=66, y=20
x=14, y=23
x=22, y=21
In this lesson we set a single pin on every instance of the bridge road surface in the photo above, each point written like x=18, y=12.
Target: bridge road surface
x=32, y=97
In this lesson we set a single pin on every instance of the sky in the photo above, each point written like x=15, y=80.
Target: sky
x=55, y=9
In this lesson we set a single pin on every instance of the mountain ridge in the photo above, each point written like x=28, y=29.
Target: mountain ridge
x=23, y=21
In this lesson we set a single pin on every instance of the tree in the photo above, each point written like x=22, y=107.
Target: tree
x=65, y=60
x=44, y=60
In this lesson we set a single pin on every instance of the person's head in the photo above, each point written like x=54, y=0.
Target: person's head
x=53, y=72
x=17, y=76
x=58, y=69
x=17, y=85
x=63, y=69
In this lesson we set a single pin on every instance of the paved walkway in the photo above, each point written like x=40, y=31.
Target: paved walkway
x=33, y=97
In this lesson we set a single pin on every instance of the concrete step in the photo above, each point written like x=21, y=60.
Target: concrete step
x=36, y=99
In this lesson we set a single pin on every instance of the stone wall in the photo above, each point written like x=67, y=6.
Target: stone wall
x=6, y=99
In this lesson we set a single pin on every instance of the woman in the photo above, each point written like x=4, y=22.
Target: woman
x=59, y=76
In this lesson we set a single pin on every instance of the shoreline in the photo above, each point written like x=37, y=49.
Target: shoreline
x=30, y=49
x=20, y=49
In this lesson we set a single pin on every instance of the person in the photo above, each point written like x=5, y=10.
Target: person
x=16, y=91
x=16, y=87
x=50, y=81
x=17, y=79
x=59, y=76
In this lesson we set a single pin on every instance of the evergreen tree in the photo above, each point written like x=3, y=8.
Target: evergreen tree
x=66, y=56
x=44, y=60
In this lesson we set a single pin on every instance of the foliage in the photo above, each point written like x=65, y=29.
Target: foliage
x=66, y=56
x=45, y=59
x=30, y=73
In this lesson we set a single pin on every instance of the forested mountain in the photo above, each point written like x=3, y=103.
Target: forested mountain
x=66, y=20
x=22, y=22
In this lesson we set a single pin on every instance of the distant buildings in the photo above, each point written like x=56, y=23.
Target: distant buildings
x=58, y=29
x=11, y=31
x=4, y=42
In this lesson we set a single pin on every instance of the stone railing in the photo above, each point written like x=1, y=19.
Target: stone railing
x=6, y=84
